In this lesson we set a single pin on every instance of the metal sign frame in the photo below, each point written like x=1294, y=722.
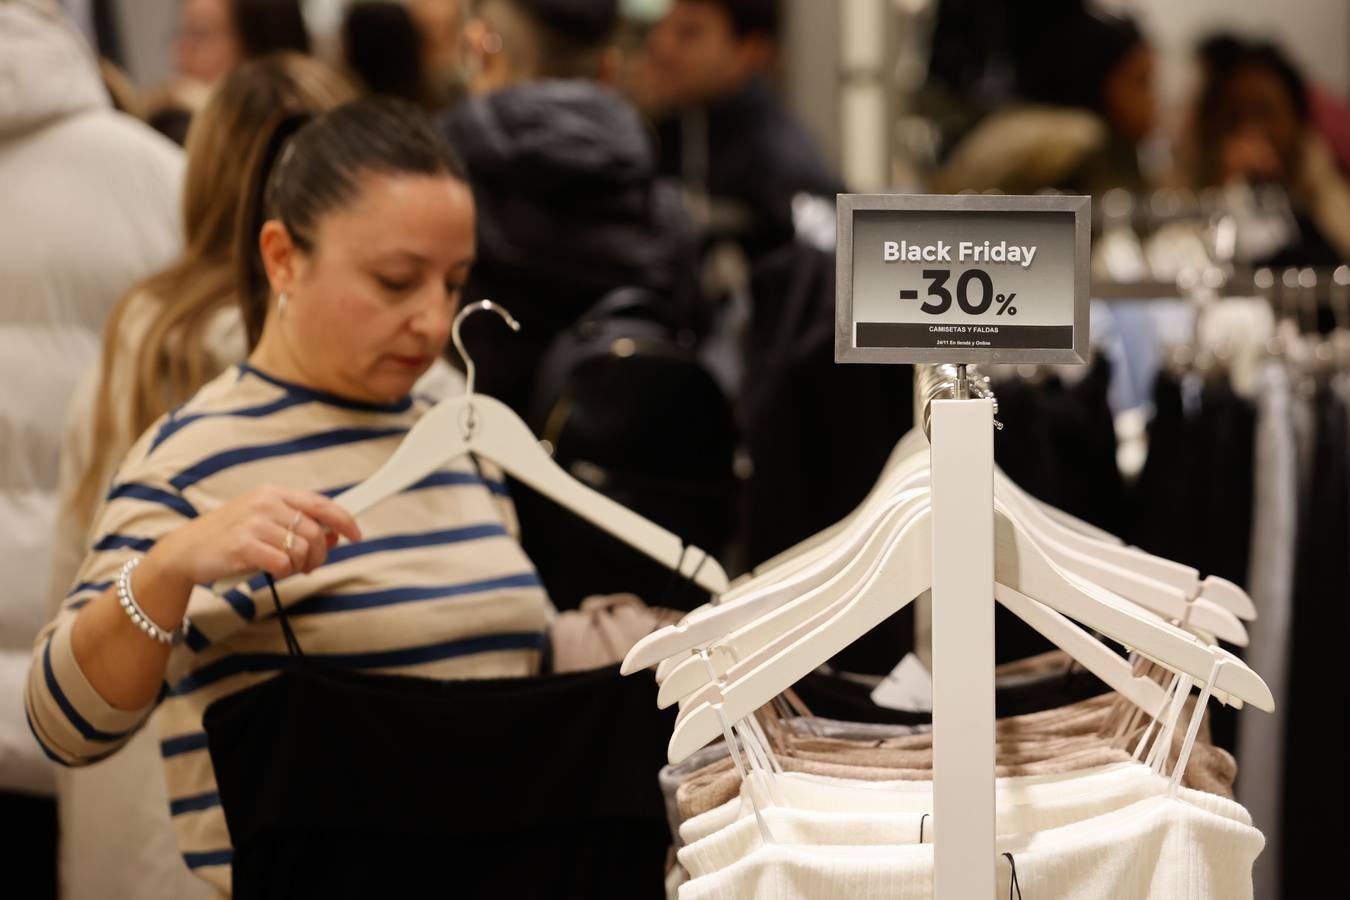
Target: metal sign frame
x=846, y=352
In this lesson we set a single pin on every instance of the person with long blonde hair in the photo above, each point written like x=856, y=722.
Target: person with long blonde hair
x=168, y=336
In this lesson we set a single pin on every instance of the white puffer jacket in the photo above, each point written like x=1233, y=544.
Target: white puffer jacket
x=89, y=204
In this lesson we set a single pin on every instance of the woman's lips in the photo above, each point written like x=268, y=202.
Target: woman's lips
x=411, y=362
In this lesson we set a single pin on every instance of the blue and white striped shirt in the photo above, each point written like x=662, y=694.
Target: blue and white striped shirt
x=437, y=587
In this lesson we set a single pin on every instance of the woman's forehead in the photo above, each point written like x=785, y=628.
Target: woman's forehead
x=427, y=216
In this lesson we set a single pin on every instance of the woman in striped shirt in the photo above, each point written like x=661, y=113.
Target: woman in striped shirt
x=351, y=277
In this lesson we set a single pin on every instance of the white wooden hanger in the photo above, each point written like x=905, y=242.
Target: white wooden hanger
x=1103, y=544
x=1072, y=532
x=906, y=450
x=688, y=680
x=904, y=573
x=485, y=427
x=1184, y=578
x=1126, y=571
x=749, y=601
x=694, y=684
x=757, y=631
x=753, y=599
x=1169, y=589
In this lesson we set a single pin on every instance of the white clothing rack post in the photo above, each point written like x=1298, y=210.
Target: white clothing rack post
x=962, y=447
x=876, y=321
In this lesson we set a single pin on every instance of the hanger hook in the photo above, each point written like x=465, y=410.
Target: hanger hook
x=469, y=369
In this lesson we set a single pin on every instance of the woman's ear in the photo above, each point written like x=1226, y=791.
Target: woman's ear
x=280, y=256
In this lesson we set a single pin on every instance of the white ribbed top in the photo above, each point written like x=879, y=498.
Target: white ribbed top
x=1159, y=848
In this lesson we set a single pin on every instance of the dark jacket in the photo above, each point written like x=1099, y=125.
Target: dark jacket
x=757, y=157
x=569, y=208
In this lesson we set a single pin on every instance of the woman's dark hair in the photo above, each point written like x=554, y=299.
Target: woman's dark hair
x=1218, y=50
x=307, y=167
x=382, y=46
x=1087, y=48
x=266, y=26
x=753, y=17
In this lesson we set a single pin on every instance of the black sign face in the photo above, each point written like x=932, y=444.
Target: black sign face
x=962, y=279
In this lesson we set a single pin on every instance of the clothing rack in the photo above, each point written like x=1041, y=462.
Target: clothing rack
x=959, y=417
x=1324, y=286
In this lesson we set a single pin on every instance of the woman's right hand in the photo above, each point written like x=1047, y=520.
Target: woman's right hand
x=250, y=534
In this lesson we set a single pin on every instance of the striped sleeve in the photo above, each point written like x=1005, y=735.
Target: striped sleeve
x=72, y=722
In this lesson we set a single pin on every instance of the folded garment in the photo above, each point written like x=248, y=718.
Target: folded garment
x=719, y=782
x=602, y=631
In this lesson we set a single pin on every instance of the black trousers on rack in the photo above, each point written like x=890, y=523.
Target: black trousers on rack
x=1316, y=830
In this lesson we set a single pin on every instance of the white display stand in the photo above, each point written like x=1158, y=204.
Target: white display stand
x=906, y=292
x=962, y=447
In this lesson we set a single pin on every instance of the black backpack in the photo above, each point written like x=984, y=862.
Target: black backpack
x=631, y=411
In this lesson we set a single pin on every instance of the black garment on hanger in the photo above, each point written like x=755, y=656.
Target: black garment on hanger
x=1024, y=448
x=342, y=784
x=1317, y=721
x=819, y=434
x=1193, y=501
x=1162, y=516
x=1083, y=432
x=1227, y=424
x=1058, y=444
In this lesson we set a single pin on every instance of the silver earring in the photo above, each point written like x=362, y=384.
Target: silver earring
x=281, y=305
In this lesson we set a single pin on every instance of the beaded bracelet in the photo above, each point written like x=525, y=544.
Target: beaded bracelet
x=127, y=598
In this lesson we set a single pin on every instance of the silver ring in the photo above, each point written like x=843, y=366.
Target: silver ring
x=290, y=532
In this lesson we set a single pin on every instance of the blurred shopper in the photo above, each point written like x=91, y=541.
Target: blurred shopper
x=1328, y=111
x=89, y=199
x=1254, y=127
x=169, y=335
x=1087, y=105
x=382, y=48
x=213, y=36
x=589, y=250
x=569, y=208
x=721, y=128
x=440, y=24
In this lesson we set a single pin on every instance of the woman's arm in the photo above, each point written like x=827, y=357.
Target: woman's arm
x=95, y=674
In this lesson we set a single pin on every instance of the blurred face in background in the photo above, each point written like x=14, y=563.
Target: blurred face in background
x=1127, y=96
x=441, y=24
x=206, y=45
x=1258, y=126
x=694, y=56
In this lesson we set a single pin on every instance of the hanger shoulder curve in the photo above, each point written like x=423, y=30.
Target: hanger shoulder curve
x=1020, y=564
x=905, y=571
